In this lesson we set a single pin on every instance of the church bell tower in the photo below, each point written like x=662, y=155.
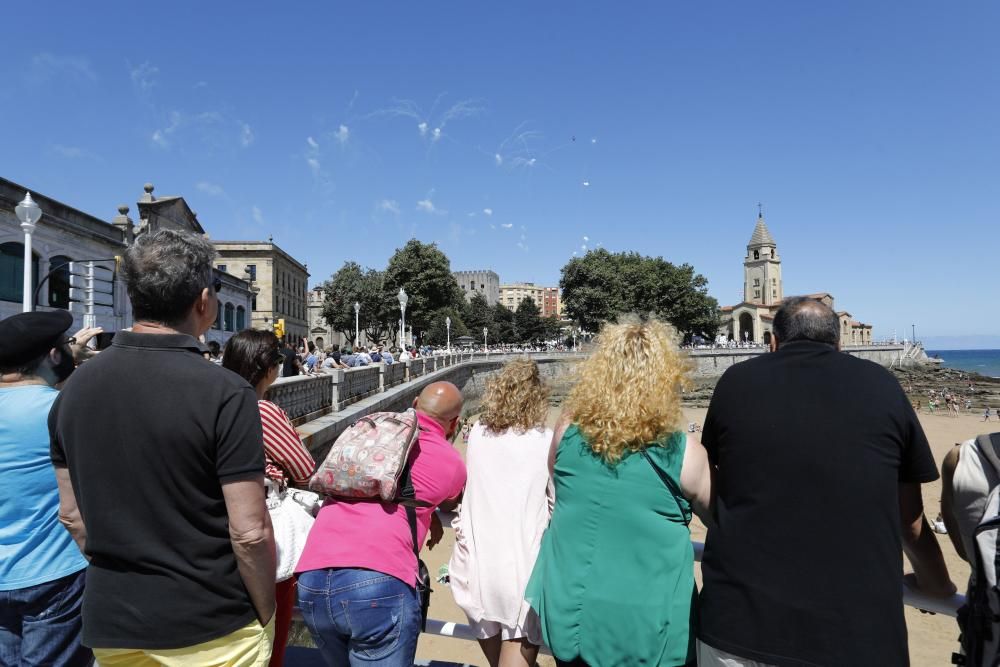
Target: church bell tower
x=762, y=268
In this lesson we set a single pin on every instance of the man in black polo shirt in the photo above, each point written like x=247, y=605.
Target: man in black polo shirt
x=819, y=459
x=159, y=459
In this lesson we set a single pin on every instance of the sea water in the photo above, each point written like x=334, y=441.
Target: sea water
x=984, y=362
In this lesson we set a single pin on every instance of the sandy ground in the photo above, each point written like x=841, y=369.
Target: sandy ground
x=932, y=638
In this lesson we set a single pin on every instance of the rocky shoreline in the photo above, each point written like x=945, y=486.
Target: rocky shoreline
x=918, y=382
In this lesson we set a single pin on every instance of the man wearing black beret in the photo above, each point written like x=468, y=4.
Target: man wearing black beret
x=42, y=571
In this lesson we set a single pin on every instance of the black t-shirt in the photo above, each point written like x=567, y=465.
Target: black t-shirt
x=289, y=367
x=804, y=565
x=150, y=431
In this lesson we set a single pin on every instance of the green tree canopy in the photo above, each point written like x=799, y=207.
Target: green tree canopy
x=477, y=314
x=528, y=325
x=437, y=332
x=425, y=273
x=502, y=328
x=349, y=285
x=601, y=285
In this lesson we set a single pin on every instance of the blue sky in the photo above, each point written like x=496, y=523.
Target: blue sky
x=515, y=134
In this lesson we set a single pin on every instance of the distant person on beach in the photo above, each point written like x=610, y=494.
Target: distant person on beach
x=496, y=544
x=781, y=492
x=986, y=414
x=614, y=580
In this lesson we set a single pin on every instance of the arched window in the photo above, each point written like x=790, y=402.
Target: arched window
x=229, y=316
x=756, y=254
x=241, y=318
x=59, y=281
x=12, y=271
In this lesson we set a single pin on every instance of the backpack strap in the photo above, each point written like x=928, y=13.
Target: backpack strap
x=671, y=485
x=411, y=518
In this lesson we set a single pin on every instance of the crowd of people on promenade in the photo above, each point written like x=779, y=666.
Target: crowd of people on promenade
x=135, y=525
x=307, y=358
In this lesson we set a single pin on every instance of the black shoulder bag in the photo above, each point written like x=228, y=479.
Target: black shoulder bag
x=407, y=498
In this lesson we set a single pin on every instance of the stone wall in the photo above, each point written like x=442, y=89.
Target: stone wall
x=713, y=362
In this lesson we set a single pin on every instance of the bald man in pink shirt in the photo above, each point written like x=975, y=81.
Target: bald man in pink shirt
x=357, y=575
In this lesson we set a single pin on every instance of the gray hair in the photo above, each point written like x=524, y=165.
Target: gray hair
x=165, y=273
x=803, y=318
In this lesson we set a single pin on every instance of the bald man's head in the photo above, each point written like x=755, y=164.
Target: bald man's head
x=442, y=401
x=803, y=318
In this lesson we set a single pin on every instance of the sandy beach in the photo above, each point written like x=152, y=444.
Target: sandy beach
x=932, y=638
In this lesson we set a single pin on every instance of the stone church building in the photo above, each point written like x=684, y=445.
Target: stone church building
x=751, y=321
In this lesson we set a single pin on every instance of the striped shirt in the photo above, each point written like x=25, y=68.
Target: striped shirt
x=287, y=458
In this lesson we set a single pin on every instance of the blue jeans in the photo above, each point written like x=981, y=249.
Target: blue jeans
x=360, y=617
x=41, y=625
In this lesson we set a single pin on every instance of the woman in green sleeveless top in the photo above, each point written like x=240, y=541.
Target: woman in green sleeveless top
x=614, y=581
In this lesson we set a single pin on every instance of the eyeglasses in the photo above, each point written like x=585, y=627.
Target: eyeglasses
x=217, y=285
x=70, y=341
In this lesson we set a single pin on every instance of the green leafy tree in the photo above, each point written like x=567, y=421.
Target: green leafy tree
x=551, y=328
x=437, y=333
x=527, y=321
x=601, y=285
x=477, y=314
x=352, y=284
x=425, y=273
x=503, y=329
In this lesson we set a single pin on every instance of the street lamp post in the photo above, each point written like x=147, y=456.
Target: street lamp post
x=447, y=325
x=485, y=347
x=29, y=214
x=402, y=316
x=357, y=333
x=913, y=334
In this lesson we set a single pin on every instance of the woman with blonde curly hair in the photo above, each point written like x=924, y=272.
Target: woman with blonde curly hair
x=503, y=515
x=614, y=580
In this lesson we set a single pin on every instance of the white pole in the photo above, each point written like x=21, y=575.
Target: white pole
x=402, y=327
x=357, y=334
x=447, y=324
x=27, y=306
x=89, y=320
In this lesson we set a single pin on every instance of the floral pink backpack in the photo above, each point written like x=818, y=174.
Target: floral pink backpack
x=369, y=459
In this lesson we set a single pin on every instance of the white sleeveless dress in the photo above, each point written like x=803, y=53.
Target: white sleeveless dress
x=498, y=531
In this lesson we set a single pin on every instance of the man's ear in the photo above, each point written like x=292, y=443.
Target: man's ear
x=415, y=403
x=204, y=299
